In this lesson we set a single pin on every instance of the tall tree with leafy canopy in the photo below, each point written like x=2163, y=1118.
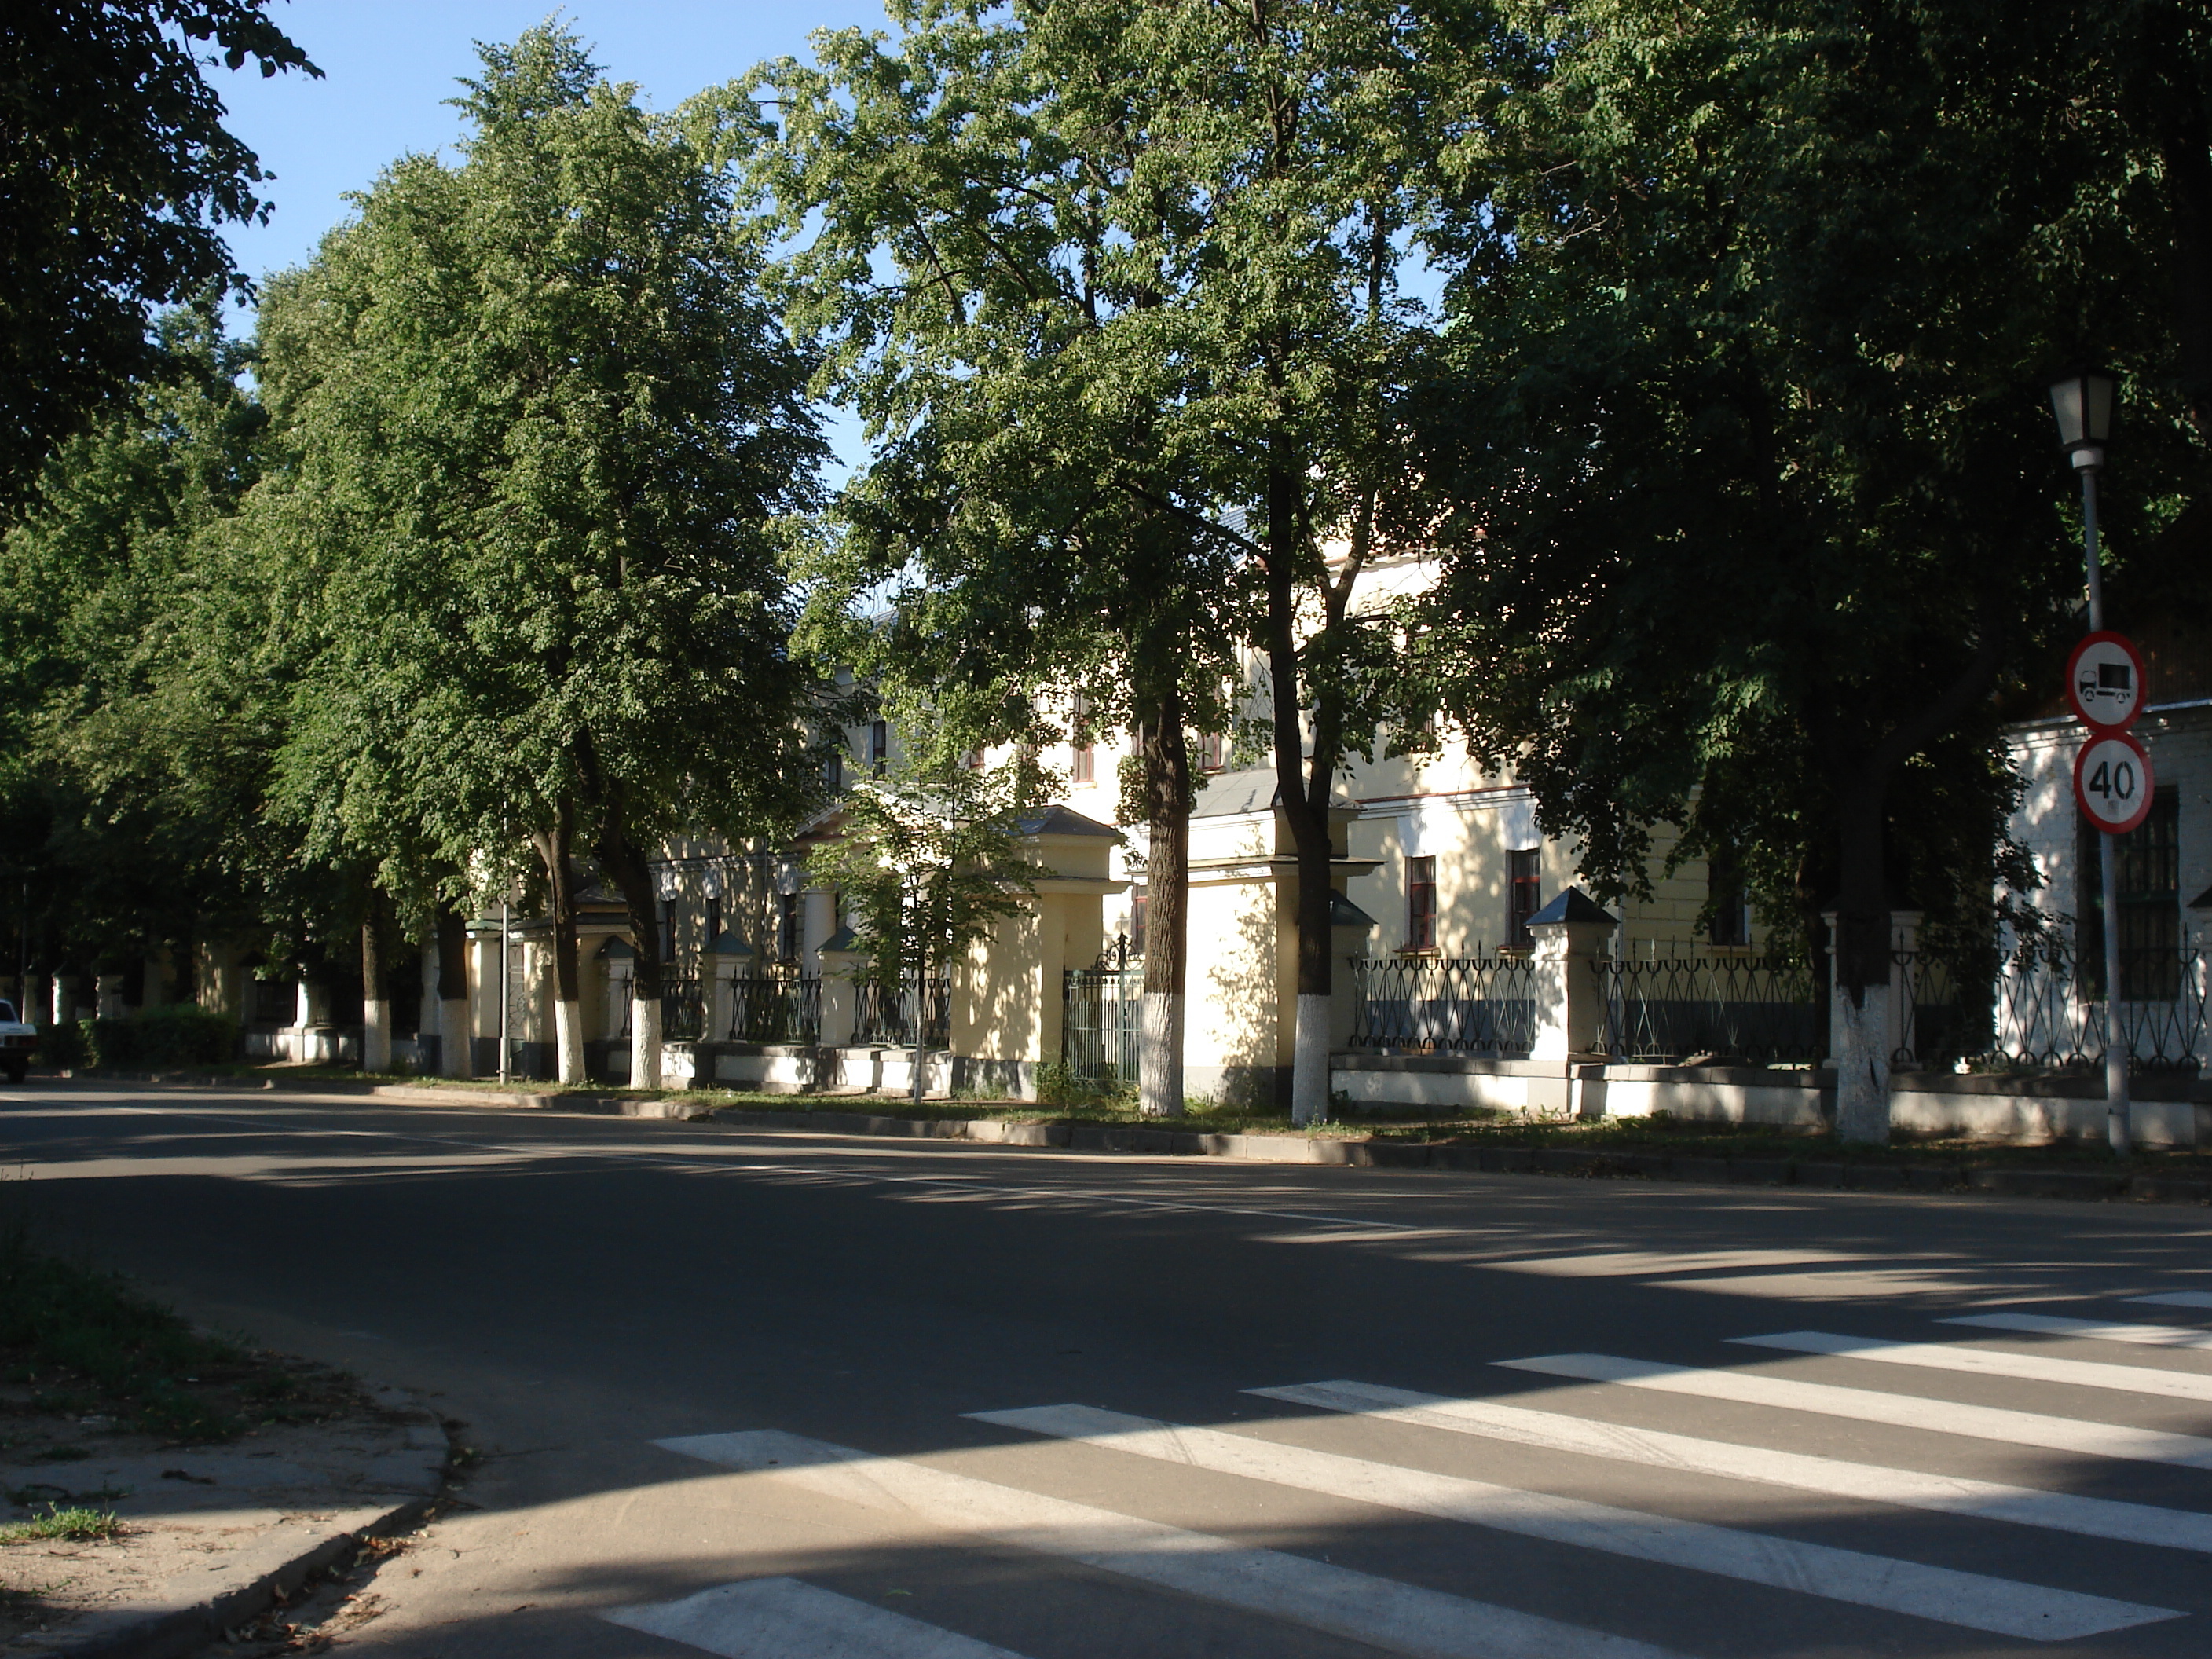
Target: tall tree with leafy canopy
x=1143, y=257
x=537, y=429
x=115, y=174
x=133, y=681
x=1742, y=464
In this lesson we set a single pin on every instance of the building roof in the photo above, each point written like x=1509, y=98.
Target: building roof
x=1058, y=820
x=1230, y=794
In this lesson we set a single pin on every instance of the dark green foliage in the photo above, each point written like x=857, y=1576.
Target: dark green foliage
x=178, y=1034
x=65, y=1047
x=115, y=174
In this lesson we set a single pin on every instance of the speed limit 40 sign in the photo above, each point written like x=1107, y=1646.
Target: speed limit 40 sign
x=2112, y=782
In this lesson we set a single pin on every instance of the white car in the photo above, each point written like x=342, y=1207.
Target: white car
x=16, y=1041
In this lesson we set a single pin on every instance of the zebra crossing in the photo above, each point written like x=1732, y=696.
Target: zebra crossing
x=1410, y=1455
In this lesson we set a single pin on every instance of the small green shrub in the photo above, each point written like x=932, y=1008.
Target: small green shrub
x=179, y=1034
x=61, y=1047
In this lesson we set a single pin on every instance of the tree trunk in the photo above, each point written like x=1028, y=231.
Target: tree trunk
x=456, y=1042
x=624, y=861
x=554, y=847
x=1167, y=909
x=1861, y=1038
x=1308, y=827
x=375, y=988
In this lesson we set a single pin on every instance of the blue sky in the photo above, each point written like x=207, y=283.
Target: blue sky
x=389, y=65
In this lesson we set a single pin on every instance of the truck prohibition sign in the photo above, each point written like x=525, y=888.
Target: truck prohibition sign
x=2112, y=782
x=2105, y=682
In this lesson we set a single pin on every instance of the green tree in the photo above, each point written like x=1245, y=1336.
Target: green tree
x=928, y=858
x=136, y=687
x=539, y=429
x=1750, y=494
x=1116, y=285
x=116, y=172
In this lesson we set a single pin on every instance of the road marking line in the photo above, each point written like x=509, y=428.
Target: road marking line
x=2176, y=1299
x=1992, y=1362
x=1611, y=1264
x=789, y=1618
x=2066, y=1434
x=2093, y=1330
x=2001, y=1606
x=1987, y=1500
x=1396, y=1617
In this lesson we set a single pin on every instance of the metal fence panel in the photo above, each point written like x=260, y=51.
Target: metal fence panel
x=2038, y=1013
x=1101, y=1015
x=1665, y=1010
x=883, y=1018
x=775, y=1009
x=1474, y=1005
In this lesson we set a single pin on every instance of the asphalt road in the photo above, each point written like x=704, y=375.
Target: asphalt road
x=784, y=1395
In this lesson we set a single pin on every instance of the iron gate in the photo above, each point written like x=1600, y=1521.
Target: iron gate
x=1099, y=1022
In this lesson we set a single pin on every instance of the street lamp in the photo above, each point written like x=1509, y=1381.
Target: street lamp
x=2082, y=401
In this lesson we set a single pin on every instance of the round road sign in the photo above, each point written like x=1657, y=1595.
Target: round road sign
x=2105, y=682
x=2112, y=782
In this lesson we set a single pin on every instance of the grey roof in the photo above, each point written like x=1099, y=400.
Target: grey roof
x=1058, y=820
x=1228, y=793
x=843, y=939
x=1573, y=905
x=729, y=944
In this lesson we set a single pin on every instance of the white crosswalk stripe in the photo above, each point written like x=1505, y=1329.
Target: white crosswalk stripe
x=2093, y=1330
x=790, y=1619
x=1992, y=1362
x=1904, y=1411
x=2002, y=1606
x=2176, y=1299
x=1402, y=1618
x=2027, y=1506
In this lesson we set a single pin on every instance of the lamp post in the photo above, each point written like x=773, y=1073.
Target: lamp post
x=2083, y=404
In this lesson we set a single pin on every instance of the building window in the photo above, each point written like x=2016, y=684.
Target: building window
x=713, y=921
x=2149, y=883
x=879, y=746
x=667, y=909
x=1137, y=907
x=833, y=770
x=1212, y=752
x=1525, y=875
x=1085, y=770
x=1421, y=904
x=787, y=927
x=1731, y=914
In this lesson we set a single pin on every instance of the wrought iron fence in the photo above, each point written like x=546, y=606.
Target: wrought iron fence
x=775, y=1008
x=1473, y=1004
x=275, y=1002
x=885, y=1018
x=1666, y=1010
x=2038, y=1011
x=683, y=1011
x=1099, y=1022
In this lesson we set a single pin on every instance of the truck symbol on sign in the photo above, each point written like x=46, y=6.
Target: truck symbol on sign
x=2103, y=682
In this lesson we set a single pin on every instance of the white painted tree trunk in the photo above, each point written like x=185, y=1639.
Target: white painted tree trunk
x=376, y=1037
x=1861, y=1030
x=456, y=1050
x=645, y=1043
x=1309, y=1061
x=568, y=1036
x=1159, y=1054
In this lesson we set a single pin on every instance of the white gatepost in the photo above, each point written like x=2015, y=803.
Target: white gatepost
x=1570, y=933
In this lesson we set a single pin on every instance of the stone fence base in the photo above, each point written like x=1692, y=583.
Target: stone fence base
x=2025, y=1107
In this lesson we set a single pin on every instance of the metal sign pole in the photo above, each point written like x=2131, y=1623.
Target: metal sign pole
x=2117, y=1127
x=506, y=948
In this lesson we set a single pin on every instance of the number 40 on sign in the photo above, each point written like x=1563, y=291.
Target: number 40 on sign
x=2112, y=782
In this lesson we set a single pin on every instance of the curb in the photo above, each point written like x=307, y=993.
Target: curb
x=1954, y=1179
x=186, y=1628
